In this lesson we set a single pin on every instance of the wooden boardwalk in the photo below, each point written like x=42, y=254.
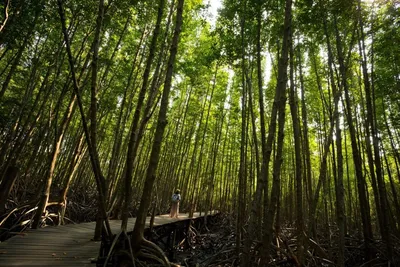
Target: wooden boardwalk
x=67, y=245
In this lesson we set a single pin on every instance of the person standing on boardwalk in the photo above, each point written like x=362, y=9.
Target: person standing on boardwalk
x=176, y=198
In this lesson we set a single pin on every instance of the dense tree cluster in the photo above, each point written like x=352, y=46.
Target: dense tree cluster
x=281, y=112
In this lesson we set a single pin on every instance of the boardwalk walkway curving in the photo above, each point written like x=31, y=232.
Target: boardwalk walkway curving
x=67, y=245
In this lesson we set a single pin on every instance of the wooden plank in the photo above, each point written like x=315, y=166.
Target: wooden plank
x=67, y=245
x=53, y=255
x=43, y=244
x=47, y=247
x=35, y=262
x=49, y=239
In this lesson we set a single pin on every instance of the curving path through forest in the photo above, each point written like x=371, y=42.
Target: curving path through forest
x=67, y=245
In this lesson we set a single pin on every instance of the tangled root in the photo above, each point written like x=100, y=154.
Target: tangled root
x=143, y=251
x=149, y=250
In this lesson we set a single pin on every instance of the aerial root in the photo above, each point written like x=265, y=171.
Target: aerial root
x=155, y=252
x=145, y=250
x=143, y=255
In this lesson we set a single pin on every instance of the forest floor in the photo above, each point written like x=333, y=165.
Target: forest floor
x=214, y=245
x=211, y=245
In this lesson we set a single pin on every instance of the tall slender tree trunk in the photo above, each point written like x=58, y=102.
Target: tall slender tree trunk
x=279, y=105
x=372, y=125
x=94, y=159
x=21, y=49
x=138, y=230
x=361, y=183
x=73, y=167
x=393, y=187
x=243, y=134
x=392, y=140
x=118, y=134
x=133, y=138
x=340, y=207
x=203, y=138
x=262, y=182
x=306, y=142
x=93, y=108
x=44, y=198
x=298, y=158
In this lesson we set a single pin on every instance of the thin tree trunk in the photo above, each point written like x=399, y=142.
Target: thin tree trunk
x=17, y=59
x=133, y=139
x=279, y=105
x=44, y=198
x=138, y=230
x=203, y=136
x=242, y=163
x=306, y=143
x=364, y=205
x=393, y=187
x=73, y=167
x=298, y=158
x=340, y=207
x=372, y=124
x=93, y=155
x=93, y=108
x=121, y=122
x=262, y=182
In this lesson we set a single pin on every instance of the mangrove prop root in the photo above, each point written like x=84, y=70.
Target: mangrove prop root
x=156, y=250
